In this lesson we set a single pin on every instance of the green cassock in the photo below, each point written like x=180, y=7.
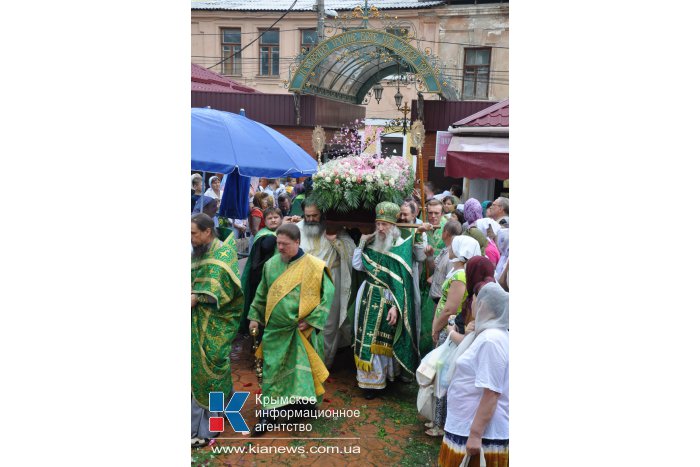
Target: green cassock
x=435, y=239
x=296, y=209
x=245, y=277
x=427, y=303
x=214, y=325
x=374, y=335
x=292, y=361
x=252, y=272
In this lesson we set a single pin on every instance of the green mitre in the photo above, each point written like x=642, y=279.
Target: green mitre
x=388, y=212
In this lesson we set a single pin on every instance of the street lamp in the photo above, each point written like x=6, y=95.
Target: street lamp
x=398, y=98
x=377, y=89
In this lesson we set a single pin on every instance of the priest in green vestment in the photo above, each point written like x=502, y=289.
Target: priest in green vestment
x=217, y=305
x=385, y=323
x=292, y=302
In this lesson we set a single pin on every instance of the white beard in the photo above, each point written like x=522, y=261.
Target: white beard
x=313, y=231
x=383, y=245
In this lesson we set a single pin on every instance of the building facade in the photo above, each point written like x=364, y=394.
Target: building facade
x=471, y=41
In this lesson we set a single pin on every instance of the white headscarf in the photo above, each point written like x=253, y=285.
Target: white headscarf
x=194, y=178
x=464, y=248
x=483, y=225
x=491, y=305
x=502, y=241
x=491, y=311
x=210, y=191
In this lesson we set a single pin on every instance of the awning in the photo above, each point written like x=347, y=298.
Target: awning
x=477, y=157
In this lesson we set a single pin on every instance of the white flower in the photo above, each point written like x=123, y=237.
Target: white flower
x=369, y=178
x=392, y=181
x=328, y=179
x=348, y=179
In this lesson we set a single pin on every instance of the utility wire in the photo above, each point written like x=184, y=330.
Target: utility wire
x=289, y=59
x=300, y=28
x=257, y=38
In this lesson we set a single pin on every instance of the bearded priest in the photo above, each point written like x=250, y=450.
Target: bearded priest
x=385, y=322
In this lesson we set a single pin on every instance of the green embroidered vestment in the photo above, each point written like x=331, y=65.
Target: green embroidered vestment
x=214, y=321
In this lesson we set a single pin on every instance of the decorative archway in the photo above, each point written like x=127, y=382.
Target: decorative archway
x=409, y=58
x=345, y=66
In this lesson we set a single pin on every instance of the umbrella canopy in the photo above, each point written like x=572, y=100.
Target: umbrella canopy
x=223, y=142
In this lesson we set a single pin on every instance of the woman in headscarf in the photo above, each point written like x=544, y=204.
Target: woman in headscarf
x=214, y=190
x=263, y=248
x=208, y=206
x=480, y=271
x=472, y=213
x=196, y=188
x=477, y=397
x=484, y=206
x=454, y=294
x=502, y=240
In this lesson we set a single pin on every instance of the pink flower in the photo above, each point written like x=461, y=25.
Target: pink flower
x=337, y=182
x=359, y=179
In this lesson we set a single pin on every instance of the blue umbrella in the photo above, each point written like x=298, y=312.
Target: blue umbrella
x=223, y=142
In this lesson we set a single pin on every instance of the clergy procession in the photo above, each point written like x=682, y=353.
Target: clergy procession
x=416, y=291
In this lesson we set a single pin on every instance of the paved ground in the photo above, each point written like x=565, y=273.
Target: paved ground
x=389, y=430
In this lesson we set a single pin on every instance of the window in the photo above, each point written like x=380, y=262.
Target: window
x=231, y=51
x=270, y=53
x=309, y=38
x=477, y=63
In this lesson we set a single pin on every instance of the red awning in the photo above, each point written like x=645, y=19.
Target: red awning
x=477, y=157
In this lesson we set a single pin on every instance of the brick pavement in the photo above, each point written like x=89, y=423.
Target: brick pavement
x=389, y=429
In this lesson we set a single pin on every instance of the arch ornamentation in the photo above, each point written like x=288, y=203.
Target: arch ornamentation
x=423, y=64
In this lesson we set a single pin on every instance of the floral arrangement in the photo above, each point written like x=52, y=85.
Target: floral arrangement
x=361, y=182
x=356, y=143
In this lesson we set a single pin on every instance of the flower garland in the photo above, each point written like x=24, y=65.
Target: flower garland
x=361, y=182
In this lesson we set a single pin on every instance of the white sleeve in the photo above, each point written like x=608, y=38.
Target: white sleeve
x=357, y=259
x=419, y=252
x=491, y=364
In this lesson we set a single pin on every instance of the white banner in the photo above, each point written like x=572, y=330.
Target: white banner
x=478, y=144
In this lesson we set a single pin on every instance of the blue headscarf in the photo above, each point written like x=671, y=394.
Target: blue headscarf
x=484, y=205
x=202, y=203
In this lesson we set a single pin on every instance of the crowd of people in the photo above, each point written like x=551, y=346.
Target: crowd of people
x=397, y=297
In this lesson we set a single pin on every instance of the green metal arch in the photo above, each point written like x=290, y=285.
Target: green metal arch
x=352, y=64
x=378, y=76
x=339, y=74
x=347, y=77
x=413, y=57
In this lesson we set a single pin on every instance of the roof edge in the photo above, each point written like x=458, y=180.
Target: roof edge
x=481, y=113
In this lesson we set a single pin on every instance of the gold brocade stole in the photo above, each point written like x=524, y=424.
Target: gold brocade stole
x=307, y=271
